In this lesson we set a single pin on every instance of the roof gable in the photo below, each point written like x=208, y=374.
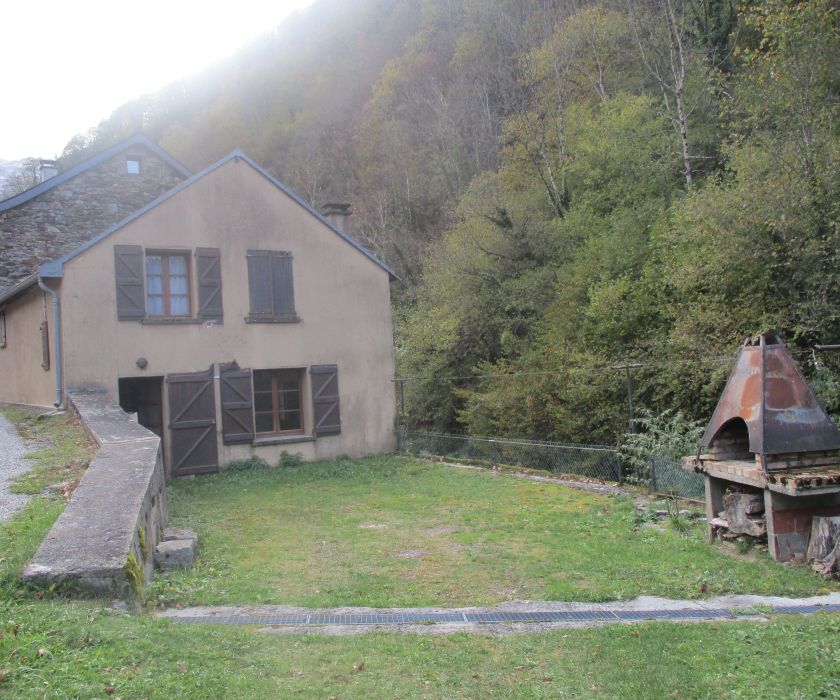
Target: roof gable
x=55, y=268
x=93, y=161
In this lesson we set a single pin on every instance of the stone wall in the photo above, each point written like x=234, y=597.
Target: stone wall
x=104, y=541
x=62, y=218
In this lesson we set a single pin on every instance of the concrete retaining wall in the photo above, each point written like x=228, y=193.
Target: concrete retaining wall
x=104, y=541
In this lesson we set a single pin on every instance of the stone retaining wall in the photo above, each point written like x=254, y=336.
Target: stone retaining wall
x=104, y=541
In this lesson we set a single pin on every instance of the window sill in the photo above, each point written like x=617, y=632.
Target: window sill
x=186, y=321
x=282, y=440
x=272, y=319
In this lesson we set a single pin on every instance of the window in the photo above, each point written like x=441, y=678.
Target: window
x=277, y=401
x=132, y=165
x=2, y=329
x=271, y=287
x=167, y=285
x=167, y=293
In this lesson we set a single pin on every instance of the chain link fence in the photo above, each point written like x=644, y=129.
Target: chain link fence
x=591, y=461
x=664, y=475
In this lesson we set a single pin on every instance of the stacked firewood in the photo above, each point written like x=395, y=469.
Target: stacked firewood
x=742, y=514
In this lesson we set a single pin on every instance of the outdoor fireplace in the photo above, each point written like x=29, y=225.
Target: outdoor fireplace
x=770, y=454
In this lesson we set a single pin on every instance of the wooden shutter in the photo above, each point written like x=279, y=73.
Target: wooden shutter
x=45, y=345
x=209, y=273
x=128, y=270
x=192, y=411
x=284, y=288
x=325, y=399
x=237, y=404
x=259, y=283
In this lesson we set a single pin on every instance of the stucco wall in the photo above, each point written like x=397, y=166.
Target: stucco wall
x=22, y=379
x=341, y=296
x=59, y=220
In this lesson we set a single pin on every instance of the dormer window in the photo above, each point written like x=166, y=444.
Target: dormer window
x=132, y=165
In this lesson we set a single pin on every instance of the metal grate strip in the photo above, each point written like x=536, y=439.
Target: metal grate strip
x=495, y=617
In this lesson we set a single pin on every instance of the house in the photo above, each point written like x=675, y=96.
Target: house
x=233, y=318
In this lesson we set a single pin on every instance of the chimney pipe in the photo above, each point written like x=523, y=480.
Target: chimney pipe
x=338, y=214
x=47, y=169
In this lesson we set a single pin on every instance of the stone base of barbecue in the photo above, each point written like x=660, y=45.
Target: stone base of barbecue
x=788, y=517
x=789, y=521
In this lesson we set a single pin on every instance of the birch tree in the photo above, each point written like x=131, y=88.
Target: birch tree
x=663, y=39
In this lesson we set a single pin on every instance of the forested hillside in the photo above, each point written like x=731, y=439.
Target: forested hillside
x=564, y=186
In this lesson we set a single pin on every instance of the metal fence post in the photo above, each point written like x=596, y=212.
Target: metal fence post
x=652, y=461
x=494, y=454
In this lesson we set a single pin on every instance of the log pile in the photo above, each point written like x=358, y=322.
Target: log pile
x=742, y=514
x=824, y=546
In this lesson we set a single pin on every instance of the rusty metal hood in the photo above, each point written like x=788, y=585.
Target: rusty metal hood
x=769, y=393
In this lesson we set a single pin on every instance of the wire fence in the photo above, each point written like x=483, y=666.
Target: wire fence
x=664, y=475
x=601, y=462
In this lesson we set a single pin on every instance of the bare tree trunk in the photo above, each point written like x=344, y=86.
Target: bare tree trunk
x=677, y=47
x=669, y=71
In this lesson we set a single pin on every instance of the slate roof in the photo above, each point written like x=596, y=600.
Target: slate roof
x=55, y=268
x=47, y=220
x=93, y=161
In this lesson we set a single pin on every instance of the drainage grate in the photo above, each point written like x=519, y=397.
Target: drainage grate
x=494, y=617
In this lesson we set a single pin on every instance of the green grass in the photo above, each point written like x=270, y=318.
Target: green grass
x=388, y=531
x=65, y=453
x=53, y=648
x=57, y=650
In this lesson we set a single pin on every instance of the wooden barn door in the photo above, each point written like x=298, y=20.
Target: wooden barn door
x=192, y=424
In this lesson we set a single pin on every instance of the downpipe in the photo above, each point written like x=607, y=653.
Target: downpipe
x=59, y=392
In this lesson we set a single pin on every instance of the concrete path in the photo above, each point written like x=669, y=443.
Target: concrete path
x=12, y=463
x=507, y=618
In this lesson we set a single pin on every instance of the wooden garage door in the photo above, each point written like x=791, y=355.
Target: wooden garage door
x=192, y=426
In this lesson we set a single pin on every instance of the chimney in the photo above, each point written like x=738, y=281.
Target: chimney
x=338, y=214
x=47, y=169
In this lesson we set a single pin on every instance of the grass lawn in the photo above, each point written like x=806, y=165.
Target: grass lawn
x=54, y=648
x=391, y=531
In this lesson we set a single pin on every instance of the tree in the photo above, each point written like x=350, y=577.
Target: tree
x=759, y=247
x=663, y=38
x=25, y=176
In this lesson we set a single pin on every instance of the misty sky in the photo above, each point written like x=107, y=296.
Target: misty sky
x=68, y=64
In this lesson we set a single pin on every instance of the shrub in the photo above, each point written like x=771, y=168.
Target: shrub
x=826, y=385
x=252, y=462
x=290, y=460
x=668, y=435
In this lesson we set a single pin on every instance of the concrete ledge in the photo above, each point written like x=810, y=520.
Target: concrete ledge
x=104, y=541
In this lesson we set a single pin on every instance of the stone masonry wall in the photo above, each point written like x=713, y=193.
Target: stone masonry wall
x=59, y=220
x=104, y=541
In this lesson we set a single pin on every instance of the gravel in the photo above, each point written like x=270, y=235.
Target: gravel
x=12, y=463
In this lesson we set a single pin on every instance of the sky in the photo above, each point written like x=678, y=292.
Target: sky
x=67, y=64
